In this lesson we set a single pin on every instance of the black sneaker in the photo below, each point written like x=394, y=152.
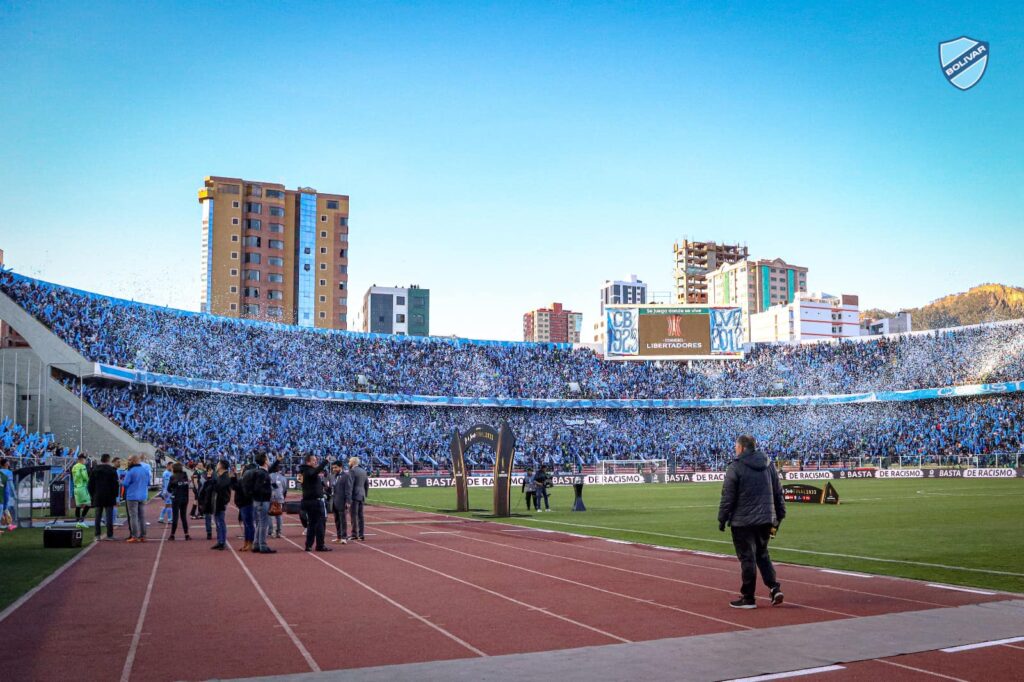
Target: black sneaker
x=325, y=549
x=267, y=550
x=777, y=596
x=743, y=603
x=217, y=546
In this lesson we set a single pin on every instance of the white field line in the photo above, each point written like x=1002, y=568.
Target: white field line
x=574, y=582
x=49, y=579
x=461, y=642
x=791, y=673
x=920, y=670
x=310, y=661
x=849, y=573
x=129, y=660
x=982, y=645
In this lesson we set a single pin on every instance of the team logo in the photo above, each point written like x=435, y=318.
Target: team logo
x=963, y=61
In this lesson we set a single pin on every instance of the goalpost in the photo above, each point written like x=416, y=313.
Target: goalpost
x=632, y=466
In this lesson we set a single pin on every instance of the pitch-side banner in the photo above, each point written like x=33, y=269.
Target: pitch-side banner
x=684, y=332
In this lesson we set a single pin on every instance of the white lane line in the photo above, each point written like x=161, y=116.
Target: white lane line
x=617, y=542
x=982, y=645
x=574, y=582
x=921, y=670
x=310, y=661
x=439, y=532
x=849, y=573
x=49, y=579
x=713, y=555
x=394, y=603
x=539, y=609
x=609, y=567
x=961, y=589
x=129, y=661
x=791, y=673
x=1011, y=646
x=670, y=549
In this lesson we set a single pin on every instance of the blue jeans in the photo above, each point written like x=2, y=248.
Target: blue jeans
x=260, y=510
x=248, y=523
x=222, y=528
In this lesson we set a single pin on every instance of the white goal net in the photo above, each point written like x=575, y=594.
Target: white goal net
x=632, y=466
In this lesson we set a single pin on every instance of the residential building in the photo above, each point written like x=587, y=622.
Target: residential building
x=694, y=260
x=272, y=253
x=754, y=286
x=396, y=310
x=900, y=323
x=552, y=325
x=618, y=292
x=808, y=317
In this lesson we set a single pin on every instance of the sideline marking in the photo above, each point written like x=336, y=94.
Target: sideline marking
x=982, y=645
x=573, y=582
x=391, y=601
x=129, y=661
x=531, y=607
x=46, y=581
x=791, y=673
x=277, y=614
x=921, y=670
x=849, y=573
x=962, y=589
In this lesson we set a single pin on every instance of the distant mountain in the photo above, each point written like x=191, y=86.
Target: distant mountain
x=984, y=303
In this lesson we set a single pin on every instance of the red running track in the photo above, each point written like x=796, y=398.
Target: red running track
x=423, y=587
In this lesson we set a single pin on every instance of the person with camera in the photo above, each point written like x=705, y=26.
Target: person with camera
x=313, y=504
x=753, y=505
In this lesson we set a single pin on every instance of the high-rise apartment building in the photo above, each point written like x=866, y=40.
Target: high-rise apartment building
x=694, y=260
x=755, y=286
x=271, y=253
x=618, y=292
x=396, y=310
x=552, y=325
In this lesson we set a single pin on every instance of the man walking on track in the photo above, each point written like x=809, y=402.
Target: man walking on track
x=752, y=504
x=313, y=503
x=360, y=486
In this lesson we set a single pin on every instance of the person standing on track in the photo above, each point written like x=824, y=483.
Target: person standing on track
x=279, y=490
x=262, y=489
x=313, y=502
x=103, y=485
x=80, y=481
x=753, y=505
x=136, y=494
x=165, y=493
x=341, y=498
x=360, y=484
x=208, y=500
x=246, y=512
x=221, y=495
x=178, y=487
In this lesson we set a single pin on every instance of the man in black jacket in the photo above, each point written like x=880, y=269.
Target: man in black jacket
x=313, y=502
x=260, y=488
x=341, y=496
x=221, y=496
x=753, y=505
x=103, y=486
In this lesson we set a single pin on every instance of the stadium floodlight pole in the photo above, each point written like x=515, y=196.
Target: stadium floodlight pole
x=39, y=399
x=3, y=379
x=15, y=388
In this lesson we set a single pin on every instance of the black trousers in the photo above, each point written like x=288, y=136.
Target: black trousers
x=355, y=509
x=340, y=523
x=751, y=543
x=109, y=512
x=316, y=522
x=178, y=514
x=531, y=498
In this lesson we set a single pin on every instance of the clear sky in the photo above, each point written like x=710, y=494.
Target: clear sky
x=507, y=155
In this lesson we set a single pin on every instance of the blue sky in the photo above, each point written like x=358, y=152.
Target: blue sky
x=507, y=155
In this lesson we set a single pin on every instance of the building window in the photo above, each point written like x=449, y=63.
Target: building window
x=276, y=261
x=234, y=255
x=276, y=228
x=277, y=211
x=235, y=204
x=323, y=234
x=343, y=269
x=233, y=289
x=273, y=194
x=342, y=253
x=275, y=295
x=323, y=299
x=400, y=300
x=323, y=249
x=323, y=315
x=400, y=318
x=234, y=237
x=341, y=318
x=234, y=272
x=323, y=266
x=234, y=221
x=252, y=275
x=323, y=218
x=251, y=309
x=275, y=277
x=323, y=282
x=253, y=258
x=252, y=241
x=275, y=311
x=255, y=191
x=342, y=301
x=343, y=221
x=251, y=292
x=275, y=244
x=305, y=267
x=253, y=224
x=234, y=306
x=252, y=207
x=229, y=189
x=341, y=286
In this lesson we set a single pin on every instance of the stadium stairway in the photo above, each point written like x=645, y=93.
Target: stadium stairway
x=22, y=385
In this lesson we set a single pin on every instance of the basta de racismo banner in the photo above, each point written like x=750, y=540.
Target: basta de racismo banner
x=665, y=332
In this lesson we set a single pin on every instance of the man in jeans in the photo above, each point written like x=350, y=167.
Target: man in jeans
x=262, y=490
x=136, y=494
x=221, y=497
x=752, y=503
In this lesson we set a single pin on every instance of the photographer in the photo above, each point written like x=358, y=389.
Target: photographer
x=542, y=481
x=313, y=502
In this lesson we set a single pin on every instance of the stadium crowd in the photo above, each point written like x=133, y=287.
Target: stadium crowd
x=163, y=340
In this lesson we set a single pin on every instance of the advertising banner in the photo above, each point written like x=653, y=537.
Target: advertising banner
x=684, y=332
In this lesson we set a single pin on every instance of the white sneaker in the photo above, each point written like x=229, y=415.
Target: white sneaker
x=343, y=541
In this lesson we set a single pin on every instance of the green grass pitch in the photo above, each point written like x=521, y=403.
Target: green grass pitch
x=962, y=532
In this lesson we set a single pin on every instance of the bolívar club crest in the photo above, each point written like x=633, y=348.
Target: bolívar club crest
x=963, y=61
